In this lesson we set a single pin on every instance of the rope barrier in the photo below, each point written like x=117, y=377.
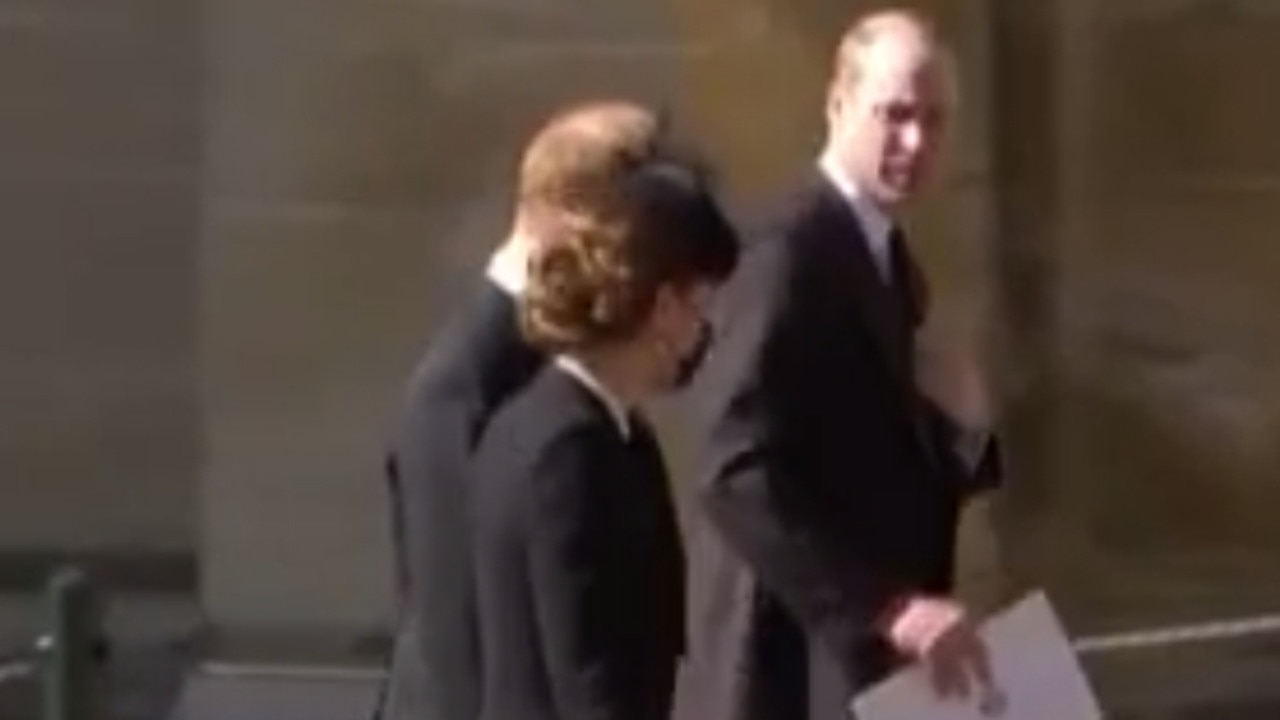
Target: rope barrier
x=17, y=670
x=1191, y=633
x=22, y=662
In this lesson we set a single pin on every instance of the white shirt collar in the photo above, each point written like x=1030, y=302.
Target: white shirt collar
x=616, y=407
x=507, y=269
x=876, y=225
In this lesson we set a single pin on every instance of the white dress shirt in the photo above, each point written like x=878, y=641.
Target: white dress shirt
x=507, y=268
x=876, y=225
x=583, y=374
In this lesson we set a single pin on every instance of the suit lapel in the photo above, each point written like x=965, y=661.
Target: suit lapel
x=878, y=309
x=891, y=324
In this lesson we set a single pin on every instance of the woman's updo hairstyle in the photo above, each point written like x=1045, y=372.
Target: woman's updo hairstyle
x=596, y=273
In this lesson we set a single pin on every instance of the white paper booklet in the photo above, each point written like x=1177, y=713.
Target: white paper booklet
x=1037, y=676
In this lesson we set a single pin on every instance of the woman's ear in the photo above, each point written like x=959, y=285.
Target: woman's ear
x=664, y=315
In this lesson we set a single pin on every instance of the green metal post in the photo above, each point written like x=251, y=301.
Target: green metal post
x=73, y=633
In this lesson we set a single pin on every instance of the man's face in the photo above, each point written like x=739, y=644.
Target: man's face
x=886, y=128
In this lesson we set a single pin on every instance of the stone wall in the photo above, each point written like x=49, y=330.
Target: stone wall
x=233, y=226
x=1165, y=281
x=99, y=410
x=358, y=166
x=360, y=157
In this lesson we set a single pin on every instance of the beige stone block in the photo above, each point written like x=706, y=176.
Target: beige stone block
x=100, y=440
x=1179, y=94
x=1166, y=285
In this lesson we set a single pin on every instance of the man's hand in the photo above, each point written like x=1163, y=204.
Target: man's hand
x=939, y=632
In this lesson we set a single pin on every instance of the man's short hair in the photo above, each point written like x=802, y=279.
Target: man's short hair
x=584, y=151
x=867, y=29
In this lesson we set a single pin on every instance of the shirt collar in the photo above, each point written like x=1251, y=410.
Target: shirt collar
x=876, y=225
x=507, y=268
x=617, y=409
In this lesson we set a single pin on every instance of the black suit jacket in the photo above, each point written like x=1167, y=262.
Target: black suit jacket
x=828, y=487
x=580, y=572
x=476, y=362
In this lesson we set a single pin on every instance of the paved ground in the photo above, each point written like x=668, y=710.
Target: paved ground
x=154, y=674
x=153, y=668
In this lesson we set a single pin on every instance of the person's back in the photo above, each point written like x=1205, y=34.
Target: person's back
x=468, y=372
x=475, y=363
x=629, y=538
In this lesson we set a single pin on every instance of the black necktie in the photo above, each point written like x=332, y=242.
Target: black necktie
x=900, y=282
x=894, y=249
x=640, y=434
x=906, y=299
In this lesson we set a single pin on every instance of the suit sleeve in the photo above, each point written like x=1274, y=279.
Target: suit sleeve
x=974, y=457
x=566, y=563
x=431, y=460
x=760, y=392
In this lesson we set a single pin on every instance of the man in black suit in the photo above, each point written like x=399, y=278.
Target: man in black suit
x=834, y=485
x=471, y=368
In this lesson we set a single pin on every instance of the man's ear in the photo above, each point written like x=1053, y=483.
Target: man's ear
x=835, y=104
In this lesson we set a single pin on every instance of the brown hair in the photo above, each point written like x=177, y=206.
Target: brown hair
x=581, y=151
x=595, y=278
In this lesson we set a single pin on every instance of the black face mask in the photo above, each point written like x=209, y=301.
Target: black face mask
x=690, y=363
